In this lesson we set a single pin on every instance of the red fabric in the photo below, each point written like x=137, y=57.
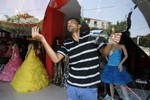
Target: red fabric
x=52, y=27
x=58, y=3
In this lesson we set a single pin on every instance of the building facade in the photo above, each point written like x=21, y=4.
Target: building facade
x=99, y=24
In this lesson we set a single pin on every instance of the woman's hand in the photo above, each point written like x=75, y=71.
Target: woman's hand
x=120, y=67
x=36, y=35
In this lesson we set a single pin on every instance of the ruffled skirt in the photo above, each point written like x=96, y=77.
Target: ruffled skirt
x=111, y=75
x=10, y=68
x=31, y=75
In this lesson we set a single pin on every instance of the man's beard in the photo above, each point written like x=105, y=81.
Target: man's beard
x=72, y=30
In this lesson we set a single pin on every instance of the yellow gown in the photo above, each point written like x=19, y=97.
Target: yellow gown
x=31, y=75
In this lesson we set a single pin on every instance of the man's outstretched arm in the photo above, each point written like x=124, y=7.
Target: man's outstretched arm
x=56, y=57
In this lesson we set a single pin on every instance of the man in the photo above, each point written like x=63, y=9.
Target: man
x=84, y=74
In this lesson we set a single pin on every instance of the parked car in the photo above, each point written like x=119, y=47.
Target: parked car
x=98, y=36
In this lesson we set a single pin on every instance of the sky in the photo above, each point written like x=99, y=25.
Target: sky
x=109, y=10
x=113, y=11
x=33, y=7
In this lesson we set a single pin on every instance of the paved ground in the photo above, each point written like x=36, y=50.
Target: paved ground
x=51, y=92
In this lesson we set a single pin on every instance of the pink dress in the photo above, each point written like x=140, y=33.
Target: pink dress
x=11, y=67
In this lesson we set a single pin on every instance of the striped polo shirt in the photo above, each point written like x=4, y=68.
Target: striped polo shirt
x=83, y=61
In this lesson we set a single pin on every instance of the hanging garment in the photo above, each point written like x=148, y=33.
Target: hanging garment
x=11, y=67
x=66, y=72
x=57, y=73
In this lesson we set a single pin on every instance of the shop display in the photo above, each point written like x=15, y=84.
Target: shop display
x=12, y=66
x=32, y=74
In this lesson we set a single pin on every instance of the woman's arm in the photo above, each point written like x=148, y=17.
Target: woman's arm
x=124, y=58
x=125, y=54
x=29, y=49
x=13, y=51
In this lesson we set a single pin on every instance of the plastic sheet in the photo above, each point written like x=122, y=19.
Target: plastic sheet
x=140, y=94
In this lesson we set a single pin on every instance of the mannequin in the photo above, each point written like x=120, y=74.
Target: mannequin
x=30, y=76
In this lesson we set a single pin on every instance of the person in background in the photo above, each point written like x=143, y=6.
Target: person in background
x=83, y=80
x=114, y=72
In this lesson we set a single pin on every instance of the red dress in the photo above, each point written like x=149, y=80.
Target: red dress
x=11, y=67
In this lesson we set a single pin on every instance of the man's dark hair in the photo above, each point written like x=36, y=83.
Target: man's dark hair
x=78, y=21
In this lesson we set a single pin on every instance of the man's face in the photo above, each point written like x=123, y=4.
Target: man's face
x=73, y=26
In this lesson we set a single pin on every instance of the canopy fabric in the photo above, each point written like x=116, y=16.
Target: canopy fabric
x=58, y=3
x=18, y=16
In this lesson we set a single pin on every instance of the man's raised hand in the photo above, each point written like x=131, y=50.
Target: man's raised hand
x=35, y=34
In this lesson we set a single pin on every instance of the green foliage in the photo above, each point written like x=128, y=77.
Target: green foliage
x=81, y=20
x=145, y=40
x=119, y=26
x=20, y=24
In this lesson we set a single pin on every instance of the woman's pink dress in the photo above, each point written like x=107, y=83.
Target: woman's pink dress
x=11, y=67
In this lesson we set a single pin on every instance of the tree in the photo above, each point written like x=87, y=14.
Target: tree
x=145, y=40
x=119, y=26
